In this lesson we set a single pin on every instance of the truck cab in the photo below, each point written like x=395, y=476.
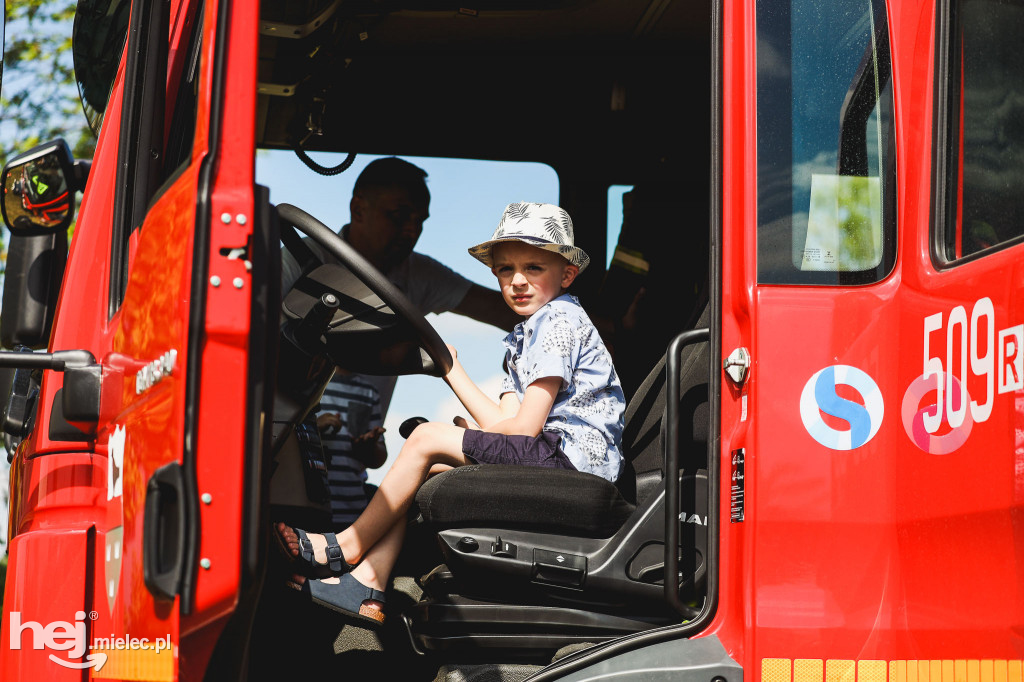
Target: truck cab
x=810, y=493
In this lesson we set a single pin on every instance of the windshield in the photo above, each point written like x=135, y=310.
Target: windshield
x=466, y=203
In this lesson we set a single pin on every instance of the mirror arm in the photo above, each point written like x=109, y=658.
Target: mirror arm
x=79, y=398
x=81, y=174
x=59, y=361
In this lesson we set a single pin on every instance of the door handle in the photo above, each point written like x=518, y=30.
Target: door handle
x=163, y=532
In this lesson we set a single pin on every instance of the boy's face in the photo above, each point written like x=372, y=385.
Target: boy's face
x=530, y=277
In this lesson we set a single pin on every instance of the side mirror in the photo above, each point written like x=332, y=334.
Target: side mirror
x=38, y=193
x=39, y=189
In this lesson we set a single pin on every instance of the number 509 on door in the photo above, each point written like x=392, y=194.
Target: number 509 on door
x=971, y=345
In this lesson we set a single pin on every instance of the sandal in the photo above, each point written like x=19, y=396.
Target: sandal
x=347, y=597
x=305, y=563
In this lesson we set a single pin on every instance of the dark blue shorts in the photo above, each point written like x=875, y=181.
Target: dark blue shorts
x=484, y=447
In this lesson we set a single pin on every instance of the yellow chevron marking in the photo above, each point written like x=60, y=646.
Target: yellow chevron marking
x=910, y=670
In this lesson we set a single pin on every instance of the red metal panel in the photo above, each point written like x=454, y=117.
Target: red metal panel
x=739, y=271
x=904, y=547
x=58, y=492
x=220, y=446
x=46, y=611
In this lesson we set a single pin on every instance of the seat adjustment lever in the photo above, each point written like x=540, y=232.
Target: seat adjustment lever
x=505, y=550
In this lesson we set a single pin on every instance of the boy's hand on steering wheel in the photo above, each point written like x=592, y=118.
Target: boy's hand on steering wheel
x=455, y=361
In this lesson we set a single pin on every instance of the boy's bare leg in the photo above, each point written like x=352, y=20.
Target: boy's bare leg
x=438, y=469
x=430, y=444
x=375, y=568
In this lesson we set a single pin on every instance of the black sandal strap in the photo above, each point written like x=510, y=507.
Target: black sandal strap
x=335, y=557
x=305, y=546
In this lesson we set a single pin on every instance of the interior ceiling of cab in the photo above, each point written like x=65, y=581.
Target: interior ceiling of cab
x=562, y=81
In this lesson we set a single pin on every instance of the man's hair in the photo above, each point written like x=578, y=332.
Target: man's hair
x=394, y=172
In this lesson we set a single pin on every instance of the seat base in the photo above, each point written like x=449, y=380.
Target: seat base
x=536, y=631
x=526, y=498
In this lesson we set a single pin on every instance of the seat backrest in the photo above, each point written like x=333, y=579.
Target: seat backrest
x=643, y=436
x=672, y=269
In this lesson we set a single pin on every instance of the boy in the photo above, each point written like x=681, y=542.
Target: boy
x=561, y=406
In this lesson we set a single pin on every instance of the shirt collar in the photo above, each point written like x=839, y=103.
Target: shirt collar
x=514, y=340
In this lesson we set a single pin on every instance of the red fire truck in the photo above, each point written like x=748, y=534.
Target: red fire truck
x=827, y=363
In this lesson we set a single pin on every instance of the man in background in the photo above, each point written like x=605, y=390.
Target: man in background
x=390, y=202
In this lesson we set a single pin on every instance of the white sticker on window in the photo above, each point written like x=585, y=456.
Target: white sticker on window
x=844, y=224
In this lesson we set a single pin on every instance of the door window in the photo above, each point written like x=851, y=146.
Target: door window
x=151, y=154
x=826, y=170
x=983, y=183
x=97, y=40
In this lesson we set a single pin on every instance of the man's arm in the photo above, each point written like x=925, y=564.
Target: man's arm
x=487, y=306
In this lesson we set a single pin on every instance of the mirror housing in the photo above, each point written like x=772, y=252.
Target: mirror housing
x=35, y=268
x=39, y=189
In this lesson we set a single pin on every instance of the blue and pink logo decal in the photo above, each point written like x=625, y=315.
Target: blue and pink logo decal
x=913, y=415
x=820, y=396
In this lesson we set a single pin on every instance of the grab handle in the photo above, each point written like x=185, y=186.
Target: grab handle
x=672, y=503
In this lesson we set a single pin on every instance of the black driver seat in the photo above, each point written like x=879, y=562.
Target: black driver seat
x=544, y=558
x=526, y=498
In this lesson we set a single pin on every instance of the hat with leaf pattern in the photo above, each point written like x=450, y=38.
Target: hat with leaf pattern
x=545, y=226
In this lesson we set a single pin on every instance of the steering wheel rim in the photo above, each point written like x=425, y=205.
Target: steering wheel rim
x=427, y=337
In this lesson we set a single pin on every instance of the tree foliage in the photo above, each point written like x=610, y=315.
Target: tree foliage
x=39, y=94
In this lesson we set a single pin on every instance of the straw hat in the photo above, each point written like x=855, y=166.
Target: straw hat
x=545, y=226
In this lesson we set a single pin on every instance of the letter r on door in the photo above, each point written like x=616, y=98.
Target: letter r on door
x=1011, y=359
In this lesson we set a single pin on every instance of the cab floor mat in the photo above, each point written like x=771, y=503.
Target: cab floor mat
x=403, y=593
x=354, y=638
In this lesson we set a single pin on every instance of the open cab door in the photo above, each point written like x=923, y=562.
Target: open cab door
x=128, y=526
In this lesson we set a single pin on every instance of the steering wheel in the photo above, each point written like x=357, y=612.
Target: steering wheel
x=439, y=360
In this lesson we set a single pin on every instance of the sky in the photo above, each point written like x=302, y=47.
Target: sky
x=467, y=201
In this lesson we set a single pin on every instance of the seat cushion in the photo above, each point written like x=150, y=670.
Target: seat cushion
x=528, y=498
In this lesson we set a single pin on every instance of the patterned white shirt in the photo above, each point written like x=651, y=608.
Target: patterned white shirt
x=559, y=340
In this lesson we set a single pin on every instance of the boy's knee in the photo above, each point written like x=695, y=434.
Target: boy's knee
x=430, y=439
x=423, y=435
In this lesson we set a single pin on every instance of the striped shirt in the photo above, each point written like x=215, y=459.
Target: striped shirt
x=358, y=404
